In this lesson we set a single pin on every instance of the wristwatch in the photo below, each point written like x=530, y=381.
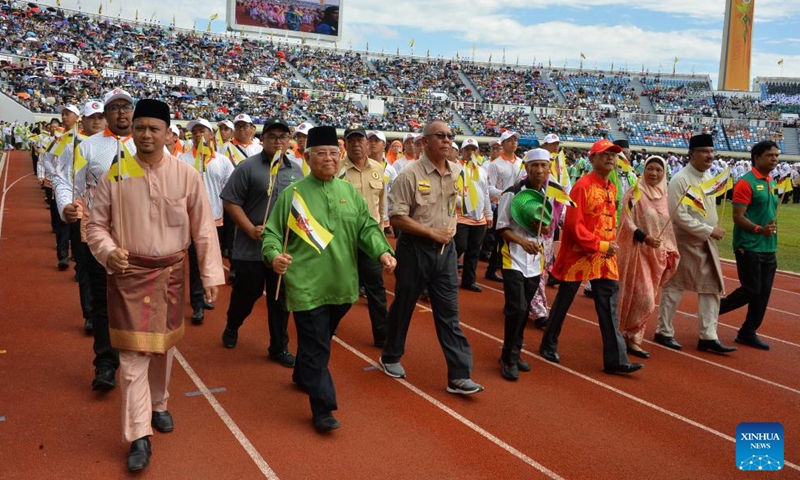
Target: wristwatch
x=757, y=230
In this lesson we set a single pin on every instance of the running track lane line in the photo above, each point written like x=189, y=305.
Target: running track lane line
x=701, y=359
x=625, y=394
x=4, y=163
x=223, y=415
x=468, y=423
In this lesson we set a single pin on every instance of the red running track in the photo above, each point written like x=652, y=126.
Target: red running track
x=675, y=419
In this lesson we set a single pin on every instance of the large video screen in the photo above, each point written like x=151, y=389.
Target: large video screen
x=318, y=19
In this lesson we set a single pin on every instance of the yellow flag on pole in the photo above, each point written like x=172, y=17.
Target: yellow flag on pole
x=124, y=167
x=694, y=199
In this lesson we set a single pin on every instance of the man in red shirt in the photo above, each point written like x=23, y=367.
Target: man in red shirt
x=588, y=252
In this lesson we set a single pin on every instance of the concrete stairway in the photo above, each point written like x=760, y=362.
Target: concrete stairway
x=371, y=65
x=615, y=132
x=646, y=105
x=476, y=95
x=791, y=141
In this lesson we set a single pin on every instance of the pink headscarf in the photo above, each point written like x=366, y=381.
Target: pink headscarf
x=654, y=192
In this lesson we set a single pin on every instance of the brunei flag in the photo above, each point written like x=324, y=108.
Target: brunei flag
x=59, y=145
x=124, y=166
x=718, y=185
x=202, y=156
x=623, y=164
x=78, y=160
x=783, y=185
x=636, y=195
x=557, y=193
x=467, y=186
x=274, y=166
x=694, y=199
x=305, y=226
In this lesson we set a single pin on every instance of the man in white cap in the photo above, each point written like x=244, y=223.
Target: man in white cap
x=474, y=213
x=174, y=146
x=92, y=122
x=503, y=174
x=99, y=151
x=69, y=119
x=215, y=169
x=242, y=146
x=490, y=240
x=377, y=151
x=409, y=153
x=225, y=129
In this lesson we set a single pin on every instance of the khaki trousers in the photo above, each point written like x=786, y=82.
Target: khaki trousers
x=144, y=380
x=708, y=311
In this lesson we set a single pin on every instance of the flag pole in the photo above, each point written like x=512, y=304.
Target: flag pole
x=278, y=154
x=119, y=193
x=285, y=243
x=674, y=211
x=722, y=215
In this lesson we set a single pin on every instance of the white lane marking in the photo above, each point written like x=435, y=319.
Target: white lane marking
x=460, y=418
x=227, y=420
x=623, y=393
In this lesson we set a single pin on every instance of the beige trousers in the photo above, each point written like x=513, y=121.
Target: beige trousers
x=144, y=380
x=707, y=312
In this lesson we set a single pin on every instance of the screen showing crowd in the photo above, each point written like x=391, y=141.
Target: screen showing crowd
x=310, y=17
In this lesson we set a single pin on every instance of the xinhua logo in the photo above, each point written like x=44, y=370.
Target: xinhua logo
x=759, y=446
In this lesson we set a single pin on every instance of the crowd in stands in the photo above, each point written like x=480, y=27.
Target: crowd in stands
x=679, y=97
x=597, y=91
x=485, y=122
x=576, y=128
x=509, y=86
x=417, y=78
x=223, y=71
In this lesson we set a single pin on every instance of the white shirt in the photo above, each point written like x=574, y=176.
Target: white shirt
x=215, y=176
x=99, y=151
x=483, y=209
x=502, y=175
x=515, y=257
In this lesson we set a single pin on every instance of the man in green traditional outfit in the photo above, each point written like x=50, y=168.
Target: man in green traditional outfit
x=312, y=238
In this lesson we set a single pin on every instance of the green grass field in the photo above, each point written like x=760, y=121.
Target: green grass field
x=788, y=236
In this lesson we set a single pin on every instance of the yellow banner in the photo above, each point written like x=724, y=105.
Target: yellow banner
x=737, y=45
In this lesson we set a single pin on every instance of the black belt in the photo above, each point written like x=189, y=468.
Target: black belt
x=419, y=240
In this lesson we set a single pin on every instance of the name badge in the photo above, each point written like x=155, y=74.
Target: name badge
x=759, y=187
x=424, y=187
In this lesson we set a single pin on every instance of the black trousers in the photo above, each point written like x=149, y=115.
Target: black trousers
x=796, y=194
x=314, y=332
x=196, y=290
x=370, y=275
x=420, y=264
x=252, y=279
x=468, y=241
x=518, y=291
x=756, y=273
x=494, y=253
x=60, y=228
x=81, y=253
x=104, y=354
x=605, y=305
x=225, y=233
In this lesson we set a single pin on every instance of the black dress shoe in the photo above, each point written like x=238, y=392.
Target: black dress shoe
x=284, y=358
x=326, y=423
x=638, y=353
x=523, y=365
x=162, y=422
x=714, y=346
x=753, y=341
x=230, y=337
x=540, y=323
x=198, y=316
x=493, y=276
x=87, y=326
x=625, y=368
x=472, y=288
x=668, y=342
x=550, y=355
x=63, y=264
x=509, y=371
x=208, y=306
x=139, y=457
x=104, y=378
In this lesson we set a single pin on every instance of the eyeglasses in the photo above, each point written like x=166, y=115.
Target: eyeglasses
x=273, y=138
x=127, y=107
x=442, y=136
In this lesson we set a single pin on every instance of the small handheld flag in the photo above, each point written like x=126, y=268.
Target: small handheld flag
x=305, y=226
x=694, y=199
x=557, y=193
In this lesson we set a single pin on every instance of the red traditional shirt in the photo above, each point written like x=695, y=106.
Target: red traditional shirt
x=588, y=229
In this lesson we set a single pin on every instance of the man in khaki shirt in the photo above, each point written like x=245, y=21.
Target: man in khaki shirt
x=366, y=175
x=422, y=206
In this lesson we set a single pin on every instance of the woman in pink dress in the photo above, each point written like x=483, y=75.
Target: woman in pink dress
x=646, y=260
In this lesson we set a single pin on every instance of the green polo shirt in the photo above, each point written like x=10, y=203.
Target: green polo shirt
x=755, y=192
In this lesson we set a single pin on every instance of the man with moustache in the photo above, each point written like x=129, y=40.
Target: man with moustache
x=699, y=269
x=242, y=146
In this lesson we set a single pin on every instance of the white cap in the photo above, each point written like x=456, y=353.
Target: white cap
x=70, y=108
x=494, y=141
x=551, y=138
x=92, y=107
x=199, y=121
x=303, y=128
x=537, y=155
x=418, y=137
x=174, y=129
x=508, y=134
x=242, y=117
x=470, y=142
x=410, y=136
x=377, y=133
x=227, y=123
x=454, y=145
x=116, y=94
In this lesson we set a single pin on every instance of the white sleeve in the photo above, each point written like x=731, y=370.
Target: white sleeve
x=62, y=181
x=504, y=211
